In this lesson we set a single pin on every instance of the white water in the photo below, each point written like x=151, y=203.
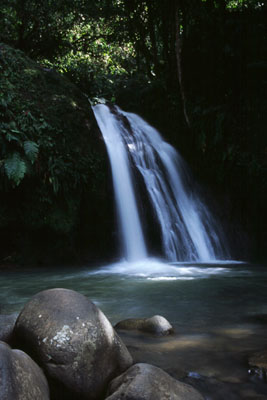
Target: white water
x=131, y=231
x=188, y=230
x=156, y=270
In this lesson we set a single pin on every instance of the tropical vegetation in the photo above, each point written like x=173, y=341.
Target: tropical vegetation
x=196, y=70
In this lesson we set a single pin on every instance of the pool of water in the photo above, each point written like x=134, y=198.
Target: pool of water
x=215, y=309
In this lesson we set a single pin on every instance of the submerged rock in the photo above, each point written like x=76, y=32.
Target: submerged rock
x=7, y=323
x=73, y=341
x=20, y=377
x=156, y=325
x=258, y=365
x=147, y=382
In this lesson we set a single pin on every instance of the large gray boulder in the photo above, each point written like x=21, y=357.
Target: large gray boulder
x=7, y=323
x=147, y=382
x=73, y=341
x=156, y=325
x=20, y=377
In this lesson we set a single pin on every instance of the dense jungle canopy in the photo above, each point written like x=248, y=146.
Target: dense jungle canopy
x=196, y=70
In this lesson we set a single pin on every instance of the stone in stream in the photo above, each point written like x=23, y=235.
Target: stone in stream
x=73, y=341
x=147, y=382
x=7, y=323
x=258, y=365
x=156, y=325
x=20, y=377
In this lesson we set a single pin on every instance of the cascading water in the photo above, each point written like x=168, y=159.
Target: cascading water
x=188, y=230
x=132, y=236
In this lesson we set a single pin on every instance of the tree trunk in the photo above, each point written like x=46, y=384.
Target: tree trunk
x=21, y=16
x=178, y=51
x=152, y=35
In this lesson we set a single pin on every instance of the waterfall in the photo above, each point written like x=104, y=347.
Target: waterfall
x=131, y=233
x=188, y=230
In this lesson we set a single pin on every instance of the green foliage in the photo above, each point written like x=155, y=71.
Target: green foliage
x=127, y=51
x=38, y=28
x=81, y=39
x=47, y=157
x=31, y=150
x=15, y=168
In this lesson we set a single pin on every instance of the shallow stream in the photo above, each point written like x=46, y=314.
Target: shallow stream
x=218, y=311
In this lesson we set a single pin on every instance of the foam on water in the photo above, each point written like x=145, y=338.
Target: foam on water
x=157, y=270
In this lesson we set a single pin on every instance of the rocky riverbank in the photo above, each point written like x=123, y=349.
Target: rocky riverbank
x=69, y=350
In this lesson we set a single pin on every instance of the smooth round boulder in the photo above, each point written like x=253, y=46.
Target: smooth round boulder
x=73, y=341
x=20, y=377
x=156, y=325
x=147, y=382
x=7, y=323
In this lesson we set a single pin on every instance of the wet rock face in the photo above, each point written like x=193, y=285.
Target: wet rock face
x=7, y=323
x=20, y=377
x=156, y=325
x=146, y=382
x=73, y=341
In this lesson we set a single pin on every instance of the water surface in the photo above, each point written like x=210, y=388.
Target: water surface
x=218, y=311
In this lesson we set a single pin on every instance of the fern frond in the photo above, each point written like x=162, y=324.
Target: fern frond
x=15, y=168
x=31, y=150
x=10, y=137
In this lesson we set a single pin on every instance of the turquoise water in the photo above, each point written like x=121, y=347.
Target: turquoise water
x=215, y=309
x=191, y=296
